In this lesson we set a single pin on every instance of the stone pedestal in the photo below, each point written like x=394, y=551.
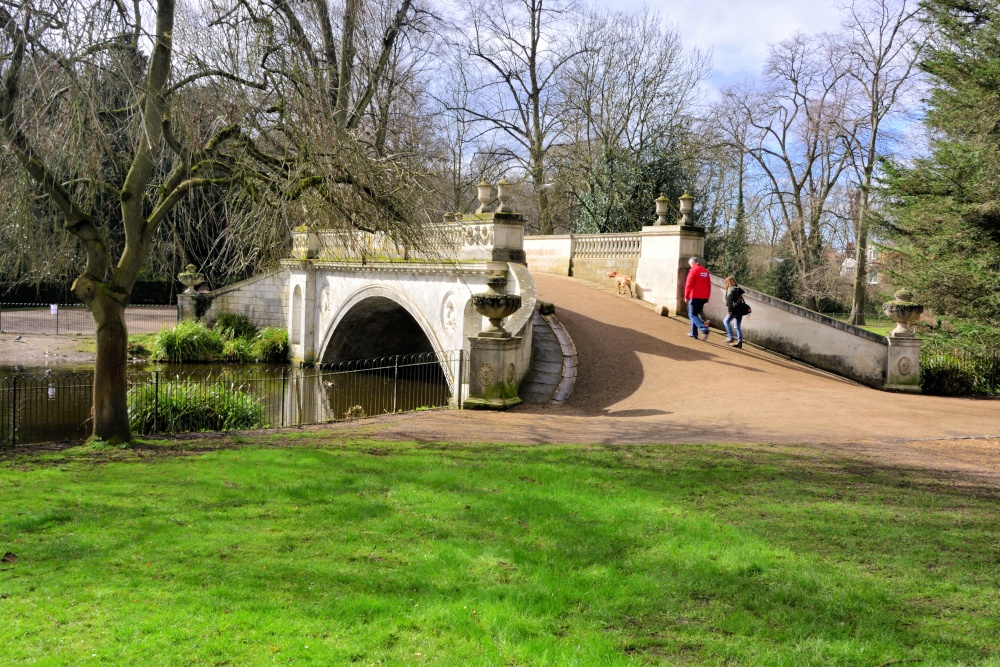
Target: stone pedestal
x=186, y=307
x=493, y=373
x=903, y=367
x=663, y=263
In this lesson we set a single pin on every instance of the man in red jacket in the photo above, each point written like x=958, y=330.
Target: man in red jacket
x=697, y=290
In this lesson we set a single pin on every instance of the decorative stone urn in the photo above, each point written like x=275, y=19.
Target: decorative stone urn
x=496, y=305
x=190, y=278
x=903, y=311
x=687, y=206
x=661, y=210
x=503, y=196
x=485, y=191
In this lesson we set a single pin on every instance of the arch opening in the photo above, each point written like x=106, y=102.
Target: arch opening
x=376, y=327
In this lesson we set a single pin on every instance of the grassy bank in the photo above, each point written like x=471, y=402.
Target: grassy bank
x=370, y=553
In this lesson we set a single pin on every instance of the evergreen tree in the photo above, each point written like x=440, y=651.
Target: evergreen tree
x=944, y=218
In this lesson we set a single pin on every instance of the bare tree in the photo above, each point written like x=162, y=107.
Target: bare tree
x=466, y=150
x=796, y=122
x=116, y=94
x=883, y=37
x=628, y=100
x=522, y=46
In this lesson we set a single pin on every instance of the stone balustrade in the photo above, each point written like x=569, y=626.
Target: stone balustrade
x=468, y=237
x=611, y=246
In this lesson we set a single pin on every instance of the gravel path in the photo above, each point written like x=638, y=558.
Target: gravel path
x=642, y=380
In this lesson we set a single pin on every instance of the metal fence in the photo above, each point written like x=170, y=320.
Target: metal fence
x=36, y=318
x=959, y=371
x=57, y=406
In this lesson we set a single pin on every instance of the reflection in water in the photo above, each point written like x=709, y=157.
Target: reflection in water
x=35, y=407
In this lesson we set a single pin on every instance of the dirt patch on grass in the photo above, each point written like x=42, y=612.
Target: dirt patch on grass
x=37, y=350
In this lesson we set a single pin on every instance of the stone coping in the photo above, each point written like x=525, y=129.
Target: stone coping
x=519, y=322
x=805, y=312
x=648, y=229
x=249, y=281
x=393, y=265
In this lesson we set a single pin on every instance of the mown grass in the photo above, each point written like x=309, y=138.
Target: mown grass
x=321, y=553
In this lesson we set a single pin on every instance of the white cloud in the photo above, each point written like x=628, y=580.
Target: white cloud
x=738, y=32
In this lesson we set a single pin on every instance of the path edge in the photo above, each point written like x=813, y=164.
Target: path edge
x=569, y=360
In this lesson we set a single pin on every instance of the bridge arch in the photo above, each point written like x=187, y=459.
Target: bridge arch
x=378, y=321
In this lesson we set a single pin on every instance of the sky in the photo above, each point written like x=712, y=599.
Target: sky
x=738, y=31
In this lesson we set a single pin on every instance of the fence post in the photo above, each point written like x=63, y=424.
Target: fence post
x=282, y=398
x=13, y=415
x=458, y=380
x=156, y=402
x=395, y=384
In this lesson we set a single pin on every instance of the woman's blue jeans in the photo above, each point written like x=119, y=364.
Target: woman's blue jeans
x=730, y=322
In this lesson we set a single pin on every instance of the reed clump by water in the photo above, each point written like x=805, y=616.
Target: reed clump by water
x=190, y=340
x=171, y=407
x=233, y=338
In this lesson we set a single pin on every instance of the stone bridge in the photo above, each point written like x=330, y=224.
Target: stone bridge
x=346, y=295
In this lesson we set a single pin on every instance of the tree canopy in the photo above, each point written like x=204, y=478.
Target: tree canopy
x=944, y=218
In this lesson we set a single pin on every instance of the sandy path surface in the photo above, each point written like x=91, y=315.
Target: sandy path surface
x=642, y=380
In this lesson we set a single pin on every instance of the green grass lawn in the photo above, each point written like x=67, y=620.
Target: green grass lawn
x=318, y=552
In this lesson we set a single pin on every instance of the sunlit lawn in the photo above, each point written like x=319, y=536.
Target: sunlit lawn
x=326, y=553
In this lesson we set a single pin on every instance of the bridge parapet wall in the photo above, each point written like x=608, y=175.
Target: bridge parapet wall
x=802, y=334
x=485, y=237
x=263, y=298
x=656, y=258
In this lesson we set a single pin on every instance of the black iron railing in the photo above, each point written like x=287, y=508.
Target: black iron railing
x=36, y=318
x=956, y=371
x=57, y=406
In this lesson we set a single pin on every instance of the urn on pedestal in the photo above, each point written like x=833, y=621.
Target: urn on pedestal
x=190, y=278
x=496, y=305
x=903, y=363
x=686, y=207
x=903, y=311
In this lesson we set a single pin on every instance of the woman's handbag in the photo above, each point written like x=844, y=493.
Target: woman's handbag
x=741, y=308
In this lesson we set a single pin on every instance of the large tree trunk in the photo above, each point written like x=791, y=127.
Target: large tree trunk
x=545, y=225
x=110, y=384
x=860, y=273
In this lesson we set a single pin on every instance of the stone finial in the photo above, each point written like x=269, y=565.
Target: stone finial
x=503, y=195
x=485, y=196
x=190, y=278
x=904, y=312
x=686, y=206
x=661, y=210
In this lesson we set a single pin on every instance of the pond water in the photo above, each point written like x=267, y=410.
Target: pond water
x=39, y=404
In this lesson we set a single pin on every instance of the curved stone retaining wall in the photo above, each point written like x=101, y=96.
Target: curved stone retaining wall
x=802, y=334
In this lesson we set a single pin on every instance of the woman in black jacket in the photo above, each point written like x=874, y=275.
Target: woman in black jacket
x=734, y=304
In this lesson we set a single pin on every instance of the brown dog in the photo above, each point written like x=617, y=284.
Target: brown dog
x=623, y=282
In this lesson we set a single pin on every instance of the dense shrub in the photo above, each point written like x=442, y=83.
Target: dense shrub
x=238, y=350
x=945, y=380
x=188, y=341
x=233, y=338
x=235, y=325
x=178, y=406
x=271, y=345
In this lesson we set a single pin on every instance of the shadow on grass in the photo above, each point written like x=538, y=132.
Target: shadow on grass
x=589, y=555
